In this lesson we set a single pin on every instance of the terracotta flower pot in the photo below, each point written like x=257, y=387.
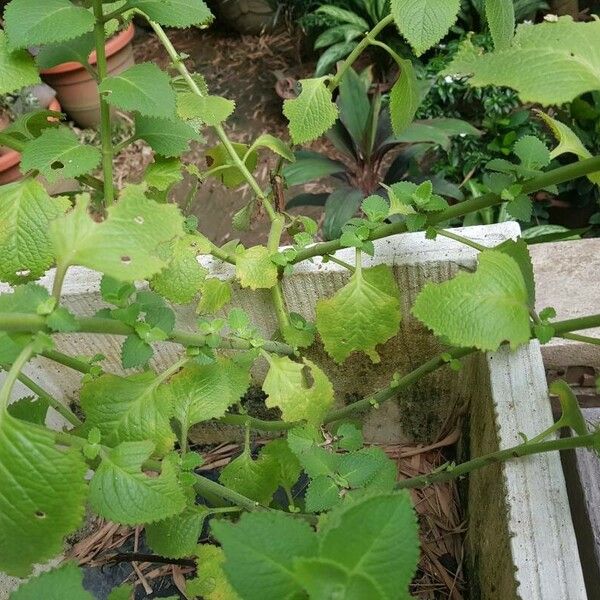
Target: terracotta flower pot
x=10, y=160
x=75, y=88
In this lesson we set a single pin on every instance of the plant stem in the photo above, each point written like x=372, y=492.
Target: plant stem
x=204, y=485
x=526, y=449
x=13, y=375
x=59, y=279
x=122, y=145
x=105, y=124
x=461, y=239
x=581, y=338
x=67, y=361
x=342, y=263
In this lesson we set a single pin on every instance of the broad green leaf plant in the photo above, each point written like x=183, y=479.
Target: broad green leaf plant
x=125, y=454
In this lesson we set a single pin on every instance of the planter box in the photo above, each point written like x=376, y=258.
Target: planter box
x=520, y=537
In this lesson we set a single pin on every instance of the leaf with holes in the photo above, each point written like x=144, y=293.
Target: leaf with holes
x=17, y=68
x=174, y=13
x=121, y=492
x=167, y=137
x=143, y=88
x=481, y=309
x=287, y=387
x=363, y=314
x=35, y=518
x=130, y=237
x=312, y=113
x=33, y=23
x=26, y=211
x=254, y=268
x=128, y=409
x=58, y=154
x=58, y=584
x=211, y=110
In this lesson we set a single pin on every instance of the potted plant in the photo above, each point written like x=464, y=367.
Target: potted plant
x=377, y=308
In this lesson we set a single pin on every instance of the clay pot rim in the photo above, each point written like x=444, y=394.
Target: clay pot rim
x=114, y=45
x=12, y=157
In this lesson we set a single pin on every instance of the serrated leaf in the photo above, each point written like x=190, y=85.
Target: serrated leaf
x=115, y=292
x=532, y=152
x=156, y=312
x=314, y=459
x=500, y=16
x=167, y=137
x=174, y=13
x=404, y=98
x=255, y=479
x=211, y=582
x=267, y=544
x=58, y=154
x=203, y=392
x=33, y=23
x=424, y=22
x=231, y=176
x=177, y=536
x=163, y=173
x=274, y=144
x=363, y=314
x=254, y=268
x=312, y=113
x=322, y=494
x=351, y=437
x=375, y=207
x=127, y=409
x=32, y=410
x=35, y=518
x=143, y=88
x=17, y=68
x=135, y=352
x=121, y=492
x=521, y=208
x=76, y=50
x=287, y=387
x=519, y=252
x=63, y=583
x=568, y=50
x=366, y=467
x=289, y=468
x=130, y=237
x=215, y=295
x=62, y=320
x=26, y=211
x=211, y=110
x=493, y=301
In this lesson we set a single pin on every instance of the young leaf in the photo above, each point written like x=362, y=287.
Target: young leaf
x=58, y=584
x=203, y=392
x=130, y=236
x=163, y=173
x=174, y=13
x=135, y=352
x=519, y=252
x=351, y=437
x=211, y=110
x=58, y=154
x=366, y=467
x=121, y=492
x=143, y=88
x=289, y=467
x=500, y=16
x=315, y=460
x=267, y=544
x=493, y=301
x=17, y=68
x=26, y=211
x=231, y=176
x=254, y=268
x=312, y=113
x=211, y=582
x=215, y=295
x=322, y=494
x=177, y=536
x=274, y=144
x=167, y=137
x=363, y=314
x=127, y=409
x=375, y=207
x=532, y=152
x=287, y=387
x=35, y=518
x=404, y=98
x=33, y=23
x=424, y=22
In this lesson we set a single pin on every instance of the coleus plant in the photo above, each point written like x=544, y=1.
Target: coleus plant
x=125, y=455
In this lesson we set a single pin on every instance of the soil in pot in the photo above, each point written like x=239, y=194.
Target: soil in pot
x=75, y=88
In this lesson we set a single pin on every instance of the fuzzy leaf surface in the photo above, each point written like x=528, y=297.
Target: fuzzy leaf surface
x=174, y=13
x=58, y=584
x=17, y=68
x=167, y=137
x=500, y=16
x=211, y=110
x=211, y=582
x=254, y=268
x=404, y=98
x=177, y=536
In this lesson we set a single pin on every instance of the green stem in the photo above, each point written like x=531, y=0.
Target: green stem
x=461, y=239
x=204, y=485
x=105, y=124
x=581, y=338
x=526, y=449
x=59, y=279
x=13, y=375
x=67, y=361
x=257, y=424
x=122, y=145
x=342, y=263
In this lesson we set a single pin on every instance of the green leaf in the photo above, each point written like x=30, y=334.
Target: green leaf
x=289, y=467
x=424, y=22
x=374, y=539
x=116, y=292
x=76, y=50
x=215, y=295
x=255, y=479
x=312, y=113
x=60, y=319
x=174, y=13
x=532, y=152
x=203, y=392
x=363, y=314
x=32, y=410
x=500, y=16
x=568, y=50
x=135, y=352
x=163, y=173
x=127, y=409
x=332, y=55
x=274, y=144
x=493, y=301
x=404, y=98
x=167, y=137
x=58, y=154
x=143, y=88
x=354, y=106
x=26, y=211
x=254, y=268
x=130, y=236
x=309, y=166
x=231, y=176
x=287, y=387
x=121, y=492
x=211, y=582
x=375, y=207
x=351, y=437
x=177, y=536
x=32, y=23
x=17, y=68
x=519, y=252
x=315, y=459
x=122, y=592
x=65, y=583
x=343, y=16
x=521, y=208
x=211, y=110
x=571, y=415
x=322, y=494
x=260, y=552
x=340, y=207
x=35, y=517
x=366, y=467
